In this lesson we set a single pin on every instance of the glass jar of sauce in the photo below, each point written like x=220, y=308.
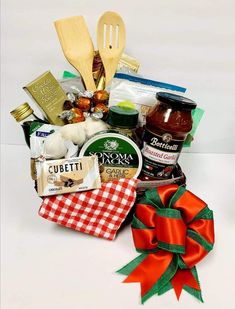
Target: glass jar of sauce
x=167, y=126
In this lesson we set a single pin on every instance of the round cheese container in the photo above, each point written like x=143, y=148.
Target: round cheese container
x=118, y=156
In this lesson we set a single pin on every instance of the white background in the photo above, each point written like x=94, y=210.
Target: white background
x=185, y=42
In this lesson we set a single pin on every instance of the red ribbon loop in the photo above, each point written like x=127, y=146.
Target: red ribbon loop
x=170, y=230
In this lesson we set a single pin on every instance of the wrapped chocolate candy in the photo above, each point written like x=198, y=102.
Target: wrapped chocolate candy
x=67, y=105
x=78, y=115
x=88, y=94
x=66, y=116
x=71, y=96
x=83, y=103
x=98, y=109
x=101, y=107
x=73, y=115
x=97, y=115
x=100, y=96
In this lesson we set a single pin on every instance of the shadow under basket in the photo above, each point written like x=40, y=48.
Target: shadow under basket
x=178, y=178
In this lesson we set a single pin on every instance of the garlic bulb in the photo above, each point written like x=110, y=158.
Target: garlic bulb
x=78, y=133
x=64, y=143
x=93, y=126
x=54, y=146
x=74, y=132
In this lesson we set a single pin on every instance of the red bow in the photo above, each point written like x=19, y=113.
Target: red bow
x=174, y=230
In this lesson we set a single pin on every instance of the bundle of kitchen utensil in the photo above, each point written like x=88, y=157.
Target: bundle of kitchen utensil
x=78, y=48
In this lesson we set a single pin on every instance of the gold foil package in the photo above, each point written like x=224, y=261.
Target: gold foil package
x=67, y=175
x=49, y=95
x=128, y=64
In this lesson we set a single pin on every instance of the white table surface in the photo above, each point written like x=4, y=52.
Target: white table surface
x=51, y=267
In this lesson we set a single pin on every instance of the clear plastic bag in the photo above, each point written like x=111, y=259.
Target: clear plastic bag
x=138, y=90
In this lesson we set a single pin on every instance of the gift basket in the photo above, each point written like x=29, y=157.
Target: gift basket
x=107, y=145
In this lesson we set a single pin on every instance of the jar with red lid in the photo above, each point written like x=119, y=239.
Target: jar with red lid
x=167, y=126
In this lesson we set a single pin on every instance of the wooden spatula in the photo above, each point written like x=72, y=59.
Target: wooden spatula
x=111, y=36
x=77, y=46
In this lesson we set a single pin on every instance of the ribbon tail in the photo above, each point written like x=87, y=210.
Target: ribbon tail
x=194, y=292
x=152, y=271
x=128, y=268
x=186, y=279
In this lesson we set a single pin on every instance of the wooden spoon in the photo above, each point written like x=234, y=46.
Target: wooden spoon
x=77, y=46
x=111, y=37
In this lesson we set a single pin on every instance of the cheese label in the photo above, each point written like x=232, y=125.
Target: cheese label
x=118, y=156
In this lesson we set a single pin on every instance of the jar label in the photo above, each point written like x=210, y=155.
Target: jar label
x=160, y=154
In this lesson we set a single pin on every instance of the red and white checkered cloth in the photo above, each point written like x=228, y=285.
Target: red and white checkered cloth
x=97, y=212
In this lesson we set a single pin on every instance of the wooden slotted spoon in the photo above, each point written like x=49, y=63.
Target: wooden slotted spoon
x=111, y=36
x=77, y=46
